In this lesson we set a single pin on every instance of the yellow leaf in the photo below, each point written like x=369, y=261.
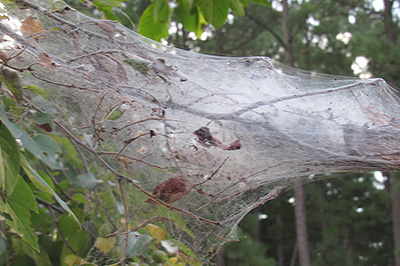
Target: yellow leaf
x=105, y=244
x=32, y=27
x=173, y=262
x=156, y=232
x=72, y=260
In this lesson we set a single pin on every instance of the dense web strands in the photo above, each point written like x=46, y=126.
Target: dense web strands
x=198, y=139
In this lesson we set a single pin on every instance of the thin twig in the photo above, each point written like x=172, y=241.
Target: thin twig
x=49, y=205
x=105, y=210
x=55, y=181
x=59, y=230
x=7, y=249
x=117, y=154
x=212, y=175
x=123, y=257
x=64, y=85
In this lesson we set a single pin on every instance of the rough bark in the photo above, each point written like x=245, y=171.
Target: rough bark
x=394, y=185
x=301, y=224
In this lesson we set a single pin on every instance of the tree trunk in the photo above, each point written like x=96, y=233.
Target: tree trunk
x=279, y=236
x=394, y=183
x=286, y=34
x=300, y=209
x=301, y=225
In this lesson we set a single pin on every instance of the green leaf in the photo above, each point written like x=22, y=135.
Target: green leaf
x=43, y=118
x=105, y=244
x=40, y=258
x=215, y=11
x=36, y=89
x=65, y=207
x=191, y=21
x=155, y=29
x=12, y=82
x=39, y=182
x=80, y=241
x=9, y=160
x=69, y=151
x=106, y=9
x=2, y=245
x=158, y=6
x=165, y=212
x=138, y=64
x=137, y=243
x=18, y=206
x=115, y=114
x=29, y=144
x=87, y=181
x=35, y=178
x=47, y=144
x=237, y=7
x=262, y=2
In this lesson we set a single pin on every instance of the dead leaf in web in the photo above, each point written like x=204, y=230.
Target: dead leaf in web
x=156, y=232
x=234, y=145
x=46, y=60
x=376, y=116
x=207, y=139
x=171, y=190
x=3, y=56
x=109, y=28
x=32, y=28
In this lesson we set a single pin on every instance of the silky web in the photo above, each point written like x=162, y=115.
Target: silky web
x=197, y=141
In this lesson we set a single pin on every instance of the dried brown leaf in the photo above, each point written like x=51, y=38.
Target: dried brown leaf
x=3, y=56
x=46, y=60
x=32, y=28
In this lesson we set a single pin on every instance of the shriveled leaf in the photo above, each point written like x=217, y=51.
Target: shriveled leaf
x=32, y=27
x=105, y=244
x=46, y=60
x=18, y=207
x=156, y=232
x=155, y=29
x=3, y=56
x=9, y=160
x=36, y=89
